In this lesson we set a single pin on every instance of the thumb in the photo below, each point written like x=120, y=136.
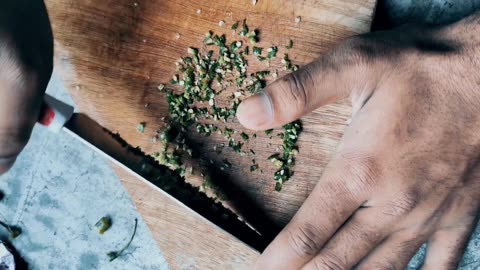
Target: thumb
x=328, y=79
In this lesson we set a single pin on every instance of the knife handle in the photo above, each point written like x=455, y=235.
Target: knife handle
x=54, y=113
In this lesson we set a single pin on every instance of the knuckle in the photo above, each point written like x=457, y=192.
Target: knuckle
x=364, y=230
x=358, y=45
x=295, y=87
x=403, y=204
x=328, y=262
x=12, y=142
x=359, y=49
x=24, y=68
x=305, y=240
x=9, y=60
x=438, y=169
x=371, y=46
x=364, y=170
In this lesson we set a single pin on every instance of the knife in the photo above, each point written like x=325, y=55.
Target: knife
x=58, y=116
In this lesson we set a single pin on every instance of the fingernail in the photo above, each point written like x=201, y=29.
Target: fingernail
x=256, y=112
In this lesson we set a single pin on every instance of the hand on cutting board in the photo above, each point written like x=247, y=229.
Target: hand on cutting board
x=26, y=55
x=407, y=169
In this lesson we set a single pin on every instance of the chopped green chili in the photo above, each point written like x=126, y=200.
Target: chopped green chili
x=257, y=50
x=244, y=28
x=290, y=44
x=141, y=127
x=235, y=25
x=272, y=52
x=103, y=225
x=201, y=77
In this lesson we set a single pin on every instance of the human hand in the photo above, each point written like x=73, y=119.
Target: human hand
x=407, y=169
x=26, y=56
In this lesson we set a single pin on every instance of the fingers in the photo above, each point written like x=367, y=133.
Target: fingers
x=360, y=235
x=395, y=252
x=331, y=203
x=332, y=77
x=10, y=146
x=26, y=62
x=20, y=99
x=18, y=114
x=446, y=247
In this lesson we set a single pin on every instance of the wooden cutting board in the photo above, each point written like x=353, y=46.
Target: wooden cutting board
x=112, y=55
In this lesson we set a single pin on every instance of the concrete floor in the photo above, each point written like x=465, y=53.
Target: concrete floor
x=59, y=189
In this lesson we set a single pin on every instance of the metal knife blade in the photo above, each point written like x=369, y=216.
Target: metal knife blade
x=162, y=179
x=146, y=169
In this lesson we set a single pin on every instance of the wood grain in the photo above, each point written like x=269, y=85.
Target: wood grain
x=112, y=55
x=187, y=241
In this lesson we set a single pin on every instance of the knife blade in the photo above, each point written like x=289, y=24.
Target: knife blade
x=59, y=117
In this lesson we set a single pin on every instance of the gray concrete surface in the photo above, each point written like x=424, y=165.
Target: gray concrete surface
x=57, y=190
